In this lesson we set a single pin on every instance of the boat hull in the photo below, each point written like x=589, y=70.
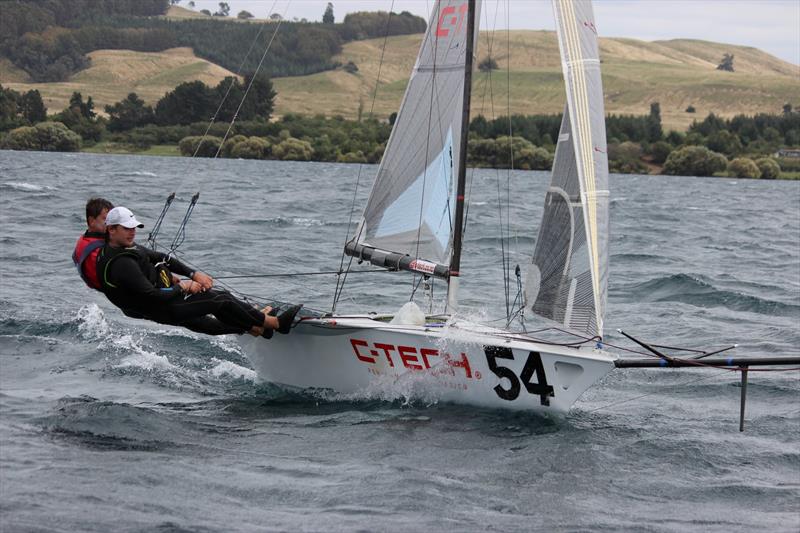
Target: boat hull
x=361, y=358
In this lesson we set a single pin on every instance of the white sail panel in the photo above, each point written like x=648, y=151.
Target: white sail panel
x=410, y=209
x=568, y=281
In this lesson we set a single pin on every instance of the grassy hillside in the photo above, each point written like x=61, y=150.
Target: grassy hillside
x=115, y=73
x=675, y=73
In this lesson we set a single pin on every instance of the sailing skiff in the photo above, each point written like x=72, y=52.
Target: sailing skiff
x=414, y=221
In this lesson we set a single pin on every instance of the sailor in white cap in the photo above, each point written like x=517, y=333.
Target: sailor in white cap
x=142, y=283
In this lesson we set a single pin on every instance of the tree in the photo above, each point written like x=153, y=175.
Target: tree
x=654, y=131
x=191, y=3
x=244, y=15
x=224, y=10
x=189, y=102
x=726, y=63
x=327, y=17
x=32, y=107
x=205, y=12
x=787, y=109
x=129, y=113
x=276, y=17
x=76, y=103
x=174, y=2
x=691, y=109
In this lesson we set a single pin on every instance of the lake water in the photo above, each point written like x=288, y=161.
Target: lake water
x=113, y=424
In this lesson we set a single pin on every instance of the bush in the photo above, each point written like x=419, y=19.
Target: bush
x=251, y=148
x=47, y=136
x=488, y=64
x=625, y=158
x=230, y=143
x=352, y=157
x=659, y=151
x=208, y=146
x=743, y=167
x=694, y=161
x=770, y=169
x=291, y=149
x=22, y=138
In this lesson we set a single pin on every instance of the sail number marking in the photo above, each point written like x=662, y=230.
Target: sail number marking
x=533, y=367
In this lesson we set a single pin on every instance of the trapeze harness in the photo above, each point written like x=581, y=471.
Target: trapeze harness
x=85, y=257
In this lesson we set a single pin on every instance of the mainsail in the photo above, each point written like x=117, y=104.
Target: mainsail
x=409, y=217
x=568, y=280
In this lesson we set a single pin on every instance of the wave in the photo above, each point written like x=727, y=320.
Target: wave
x=25, y=187
x=285, y=222
x=692, y=290
x=110, y=425
x=134, y=173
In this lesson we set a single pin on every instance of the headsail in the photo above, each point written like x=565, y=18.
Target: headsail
x=408, y=220
x=568, y=281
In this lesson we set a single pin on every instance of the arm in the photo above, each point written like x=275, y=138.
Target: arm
x=178, y=267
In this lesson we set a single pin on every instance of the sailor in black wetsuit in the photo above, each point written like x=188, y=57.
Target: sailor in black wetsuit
x=142, y=283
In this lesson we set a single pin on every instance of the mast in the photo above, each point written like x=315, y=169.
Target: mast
x=458, y=224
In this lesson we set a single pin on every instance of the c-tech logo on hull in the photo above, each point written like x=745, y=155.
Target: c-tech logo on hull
x=411, y=357
x=453, y=19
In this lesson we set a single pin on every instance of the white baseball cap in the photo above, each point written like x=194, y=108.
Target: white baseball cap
x=122, y=216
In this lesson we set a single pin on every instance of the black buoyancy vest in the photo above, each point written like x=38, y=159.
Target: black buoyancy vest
x=158, y=275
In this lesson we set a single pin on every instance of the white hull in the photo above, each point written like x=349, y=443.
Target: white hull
x=460, y=363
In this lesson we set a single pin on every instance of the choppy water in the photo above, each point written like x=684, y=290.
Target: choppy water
x=111, y=424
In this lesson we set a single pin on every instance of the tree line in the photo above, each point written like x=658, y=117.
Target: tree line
x=50, y=39
x=196, y=118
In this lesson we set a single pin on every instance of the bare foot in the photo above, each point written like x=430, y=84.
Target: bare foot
x=270, y=321
x=256, y=331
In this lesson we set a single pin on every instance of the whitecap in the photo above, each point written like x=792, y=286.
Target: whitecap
x=134, y=173
x=27, y=187
x=92, y=324
x=229, y=368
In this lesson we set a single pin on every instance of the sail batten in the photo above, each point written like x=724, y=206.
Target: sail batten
x=569, y=275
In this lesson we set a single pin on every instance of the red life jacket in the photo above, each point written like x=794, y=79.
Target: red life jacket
x=85, y=259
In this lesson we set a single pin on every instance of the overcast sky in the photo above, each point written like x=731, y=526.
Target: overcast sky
x=771, y=25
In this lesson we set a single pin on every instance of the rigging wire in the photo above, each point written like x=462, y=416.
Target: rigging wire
x=151, y=237
x=252, y=79
x=340, y=281
x=181, y=232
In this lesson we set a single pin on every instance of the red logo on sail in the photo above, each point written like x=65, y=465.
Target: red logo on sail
x=451, y=20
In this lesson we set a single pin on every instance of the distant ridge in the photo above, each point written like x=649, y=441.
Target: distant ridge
x=677, y=73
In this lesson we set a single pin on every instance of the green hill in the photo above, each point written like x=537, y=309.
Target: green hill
x=676, y=73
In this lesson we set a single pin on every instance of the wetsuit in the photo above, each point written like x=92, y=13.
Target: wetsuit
x=85, y=257
x=139, y=281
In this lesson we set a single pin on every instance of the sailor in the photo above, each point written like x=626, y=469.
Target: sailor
x=141, y=282
x=88, y=246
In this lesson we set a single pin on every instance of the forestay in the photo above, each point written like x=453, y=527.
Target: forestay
x=408, y=220
x=568, y=280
